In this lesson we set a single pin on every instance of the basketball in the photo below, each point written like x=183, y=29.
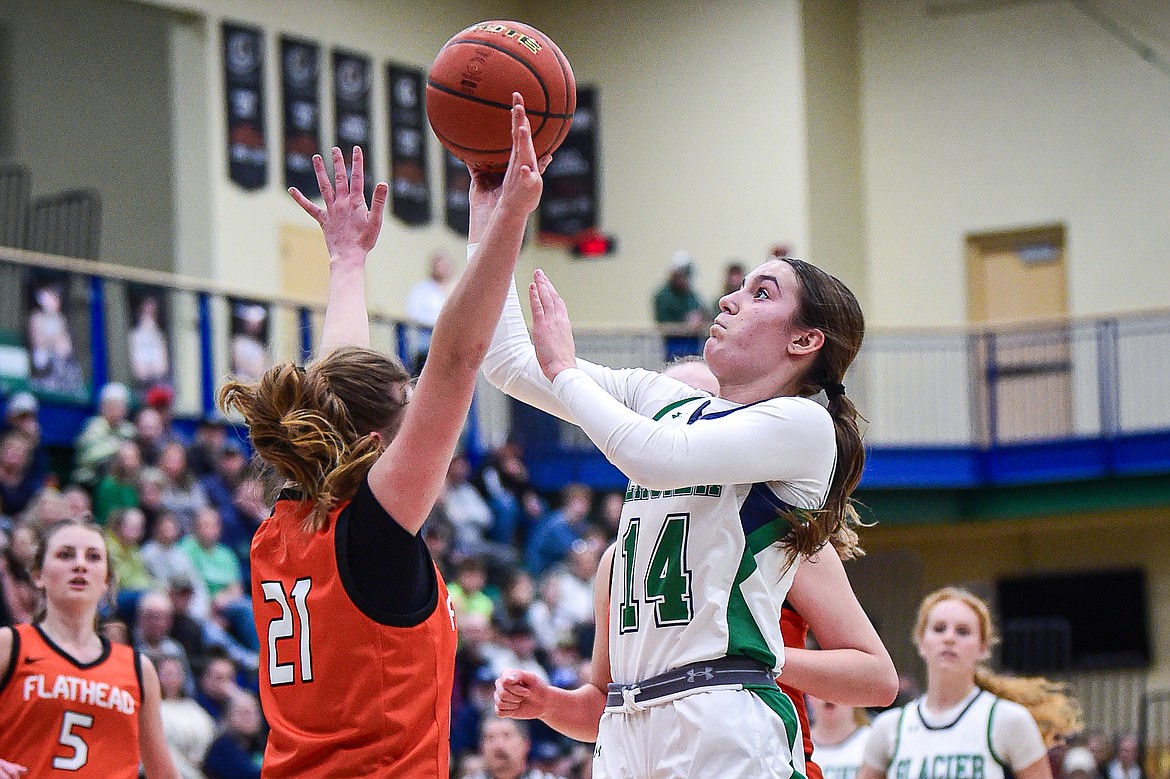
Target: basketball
x=470, y=86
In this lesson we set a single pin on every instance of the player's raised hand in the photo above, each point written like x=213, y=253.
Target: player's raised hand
x=351, y=228
x=552, y=332
x=521, y=695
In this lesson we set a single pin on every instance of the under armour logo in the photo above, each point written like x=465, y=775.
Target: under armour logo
x=597, y=751
x=694, y=675
x=676, y=415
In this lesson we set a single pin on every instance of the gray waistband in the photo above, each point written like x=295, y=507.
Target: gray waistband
x=723, y=671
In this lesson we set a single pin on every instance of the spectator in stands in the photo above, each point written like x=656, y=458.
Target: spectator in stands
x=609, y=512
x=18, y=592
x=124, y=533
x=186, y=628
x=516, y=600
x=77, y=500
x=425, y=300
x=210, y=435
x=151, y=437
x=101, y=435
x=219, y=569
x=182, y=494
x=504, y=745
x=466, y=592
x=18, y=485
x=165, y=561
x=504, y=480
x=217, y=685
x=1125, y=763
x=733, y=276
x=22, y=415
x=220, y=488
x=151, y=485
x=239, y=749
x=520, y=650
x=118, y=488
x=115, y=631
x=475, y=649
x=466, y=718
x=567, y=591
x=439, y=537
x=465, y=507
x=152, y=630
x=551, y=541
x=677, y=305
x=187, y=726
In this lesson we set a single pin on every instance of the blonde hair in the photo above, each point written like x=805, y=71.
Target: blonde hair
x=1056, y=713
x=315, y=426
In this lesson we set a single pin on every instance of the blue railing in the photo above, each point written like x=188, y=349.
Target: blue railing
x=1052, y=401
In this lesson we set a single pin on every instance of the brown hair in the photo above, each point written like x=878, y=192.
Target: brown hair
x=315, y=425
x=826, y=304
x=45, y=535
x=1056, y=713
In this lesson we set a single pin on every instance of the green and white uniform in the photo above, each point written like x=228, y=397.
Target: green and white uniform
x=975, y=739
x=841, y=760
x=699, y=573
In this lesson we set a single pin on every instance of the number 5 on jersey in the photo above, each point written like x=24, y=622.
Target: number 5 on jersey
x=283, y=627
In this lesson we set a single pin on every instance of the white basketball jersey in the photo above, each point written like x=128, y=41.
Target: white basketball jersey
x=958, y=750
x=698, y=573
x=841, y=761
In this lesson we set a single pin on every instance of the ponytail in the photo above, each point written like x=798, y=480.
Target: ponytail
x=1056, y=713
x=322, y=427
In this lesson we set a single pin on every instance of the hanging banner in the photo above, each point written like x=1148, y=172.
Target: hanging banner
x=148, y=337
x=299, y=78
x=410, y=189
x=51, y=330
x=250, y=339
x=351, y=111
x=456, y=187
x=569, y=203
x=243, y=73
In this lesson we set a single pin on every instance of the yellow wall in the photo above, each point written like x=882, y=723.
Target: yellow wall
x=978, y=554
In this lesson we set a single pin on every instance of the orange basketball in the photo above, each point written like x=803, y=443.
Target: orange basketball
x=470, y=86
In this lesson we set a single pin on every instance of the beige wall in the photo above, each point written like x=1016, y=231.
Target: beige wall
x=977, y=554
x=1025, y=115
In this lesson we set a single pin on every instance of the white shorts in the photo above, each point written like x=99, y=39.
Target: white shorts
x=723, y=734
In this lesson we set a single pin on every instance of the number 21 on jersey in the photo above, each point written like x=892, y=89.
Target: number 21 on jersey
x=667, y=582
x=283, y=627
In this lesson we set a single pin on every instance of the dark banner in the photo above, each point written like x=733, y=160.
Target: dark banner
x=351, y=111
x=569, y=203
x=410, y=189
x=243, y=74
x=456, y=187
x=299, y=77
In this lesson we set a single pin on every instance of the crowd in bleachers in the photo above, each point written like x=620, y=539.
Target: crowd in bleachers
x=179, y=513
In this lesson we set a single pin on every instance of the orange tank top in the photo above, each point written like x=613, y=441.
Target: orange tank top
x=345, y=694
x=62, y=718
x=794, y=629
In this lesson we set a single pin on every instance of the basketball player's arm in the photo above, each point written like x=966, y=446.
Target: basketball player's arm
x=575, y=713
x=409, y=475
x=852, y=666
x=351, y=230
x=152, y=744
x=8, y=770
x=879, y=746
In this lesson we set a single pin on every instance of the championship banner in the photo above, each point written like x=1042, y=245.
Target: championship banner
x=456, y=188
x=351, y=111
x=299, y=77
x=569, y=203
x=410, y=189
x=243, y=73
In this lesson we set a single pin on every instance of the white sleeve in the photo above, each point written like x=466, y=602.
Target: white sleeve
x=788, y=440
x=879, y=746
x=512, y=367
x=1015, y=738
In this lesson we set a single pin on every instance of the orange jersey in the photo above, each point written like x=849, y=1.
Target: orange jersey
x=66, y=719
x=795, y=631
x=345, y=694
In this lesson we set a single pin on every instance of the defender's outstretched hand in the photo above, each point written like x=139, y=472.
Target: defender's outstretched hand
x=552, y=332
x=519, y=187
x=350, y=228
